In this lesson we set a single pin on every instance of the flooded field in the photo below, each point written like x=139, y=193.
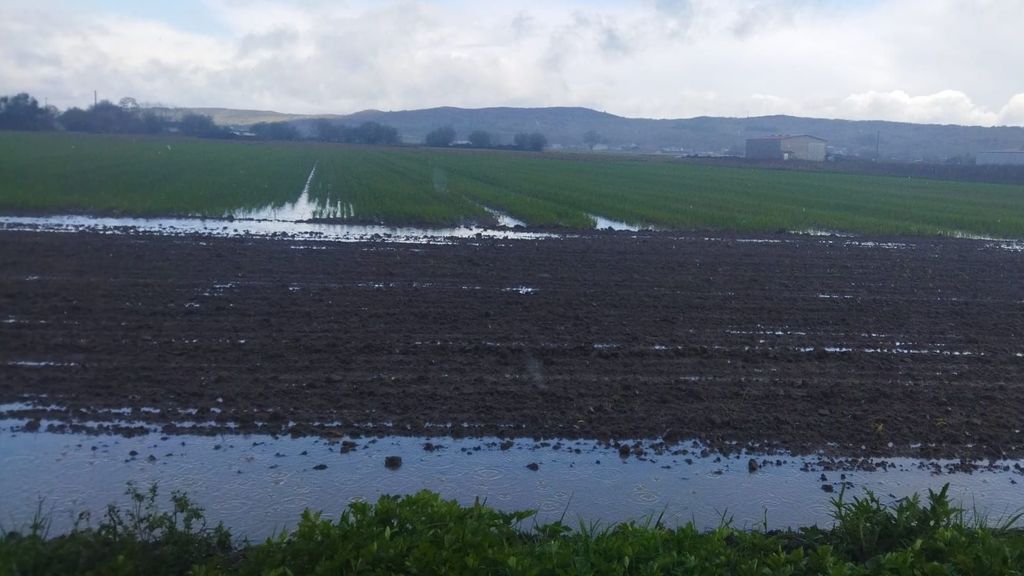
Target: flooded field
x=861, y=346
x=271, y=365
x=602, y=223
x=260, y=228
x=50, y=173
x=258, y=484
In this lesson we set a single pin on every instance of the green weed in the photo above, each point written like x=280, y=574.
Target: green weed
x=425, y=534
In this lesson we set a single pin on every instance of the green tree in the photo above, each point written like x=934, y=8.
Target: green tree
x=531, y=141
x=440, y=137
x=373, y=133
x=23, y=112
x=480, y=139
x=202, y=126
x=275, y=131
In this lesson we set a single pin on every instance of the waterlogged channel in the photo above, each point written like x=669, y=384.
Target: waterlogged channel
x=258, y=485
x=260, y=228
x=276, y=222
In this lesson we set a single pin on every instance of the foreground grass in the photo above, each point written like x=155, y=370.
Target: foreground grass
x=423, y=534
x=59, y=172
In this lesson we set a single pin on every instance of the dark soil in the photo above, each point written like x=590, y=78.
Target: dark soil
x=624, y=336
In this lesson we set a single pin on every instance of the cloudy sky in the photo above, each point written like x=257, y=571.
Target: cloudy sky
x=945, y=61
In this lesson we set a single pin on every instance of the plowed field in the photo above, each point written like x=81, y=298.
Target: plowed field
x=865, y=345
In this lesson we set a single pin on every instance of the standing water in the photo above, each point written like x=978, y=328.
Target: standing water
x=260, y=484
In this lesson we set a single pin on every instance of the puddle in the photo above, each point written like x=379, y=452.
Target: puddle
x=291, y=221
x=260, y=484
x=971, y=236
x=602, y=223
x=16, y=320
x=520, y=289
x=767, y=332
x=1013, y=246
x=818, y=232
x=28, y=404
x=260, y=228
x=503, y=219
x=40, y=364
x=891, y=351
x=873, y=244
x=301, y=209
x=991, y=242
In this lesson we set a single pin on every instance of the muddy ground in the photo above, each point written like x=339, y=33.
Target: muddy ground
x=856, y=346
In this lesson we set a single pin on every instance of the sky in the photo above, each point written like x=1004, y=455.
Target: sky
x=930, y=61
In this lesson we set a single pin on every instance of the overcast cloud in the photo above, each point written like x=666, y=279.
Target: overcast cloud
x=944, y=61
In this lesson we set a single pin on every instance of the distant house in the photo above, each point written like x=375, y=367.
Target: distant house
x=797, y=147
x=992, y=157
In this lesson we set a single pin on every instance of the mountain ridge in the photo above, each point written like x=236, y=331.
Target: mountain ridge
x=566, y=127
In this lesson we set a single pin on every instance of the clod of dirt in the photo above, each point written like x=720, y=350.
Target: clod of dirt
x=823, y=478
x=133, y=453
x=32, y=425
x=320, y=467
x=506, y=445
x=430, y=447
x=752, y=465
x=533, y=466
x=393, y=462
x=828, y=488
x=624, y=451
x=346, y=446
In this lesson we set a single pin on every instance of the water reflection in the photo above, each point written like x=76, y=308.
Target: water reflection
x=258, y=484
x=504, y=219
x=301, y=209
x=602, y=223
x=260, y=228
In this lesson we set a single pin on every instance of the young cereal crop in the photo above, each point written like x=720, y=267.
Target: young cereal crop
x=148, y=176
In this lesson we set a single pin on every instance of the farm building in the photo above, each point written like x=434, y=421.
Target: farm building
x=1014, y=157
x=799, y=147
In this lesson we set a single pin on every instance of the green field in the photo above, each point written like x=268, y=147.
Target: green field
x=61, y=172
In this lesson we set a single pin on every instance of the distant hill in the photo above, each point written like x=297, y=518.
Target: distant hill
x=565, y=127
x=232, y=117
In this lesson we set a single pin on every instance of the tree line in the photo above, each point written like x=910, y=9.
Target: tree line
x=446, y=136
x=23, y=112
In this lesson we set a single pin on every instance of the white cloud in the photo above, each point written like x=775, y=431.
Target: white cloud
x=947, y=106
x=913, y=60
x=1013, y=113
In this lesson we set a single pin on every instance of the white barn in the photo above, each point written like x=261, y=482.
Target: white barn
x=800, y=147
